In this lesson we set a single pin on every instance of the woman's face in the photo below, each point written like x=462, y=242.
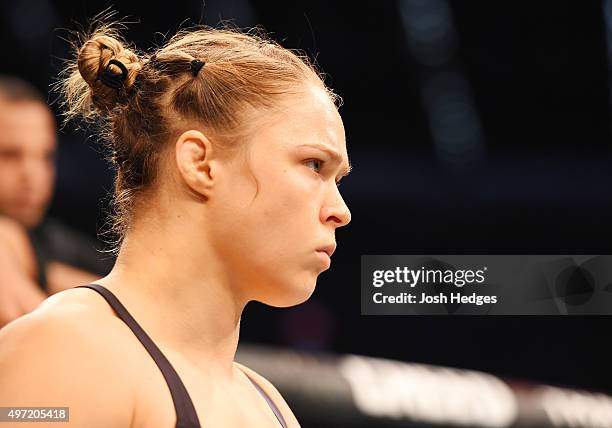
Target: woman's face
x=278, y=205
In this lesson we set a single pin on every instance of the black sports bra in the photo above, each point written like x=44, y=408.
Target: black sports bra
x=186, y=416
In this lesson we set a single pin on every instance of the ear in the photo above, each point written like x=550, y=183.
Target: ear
x=194, y=153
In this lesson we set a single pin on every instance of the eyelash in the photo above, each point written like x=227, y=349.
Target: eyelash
x=321, y=162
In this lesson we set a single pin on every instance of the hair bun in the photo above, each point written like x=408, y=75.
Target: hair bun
x=108, y=68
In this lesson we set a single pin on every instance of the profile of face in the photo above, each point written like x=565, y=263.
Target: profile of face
x=27, y=165
x=276, y=204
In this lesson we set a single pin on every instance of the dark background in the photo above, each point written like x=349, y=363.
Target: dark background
x=473, y=128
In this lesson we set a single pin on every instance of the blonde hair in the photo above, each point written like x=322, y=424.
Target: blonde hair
x=157, y=93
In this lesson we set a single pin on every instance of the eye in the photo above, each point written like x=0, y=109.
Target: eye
x=9, y=154
x=318, y=164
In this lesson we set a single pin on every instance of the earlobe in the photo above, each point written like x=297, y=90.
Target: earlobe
x=194, y=152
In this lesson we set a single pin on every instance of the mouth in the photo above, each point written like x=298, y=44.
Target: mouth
x=324, y=258
x=328, y=249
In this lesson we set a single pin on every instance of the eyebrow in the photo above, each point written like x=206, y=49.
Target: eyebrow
x=333, y=153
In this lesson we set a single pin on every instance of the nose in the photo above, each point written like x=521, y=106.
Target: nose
x=336, y=211
x=30, y=171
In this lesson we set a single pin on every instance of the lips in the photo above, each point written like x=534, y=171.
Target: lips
x=328, y=249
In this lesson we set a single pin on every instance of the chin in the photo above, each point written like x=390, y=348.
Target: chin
x=29, y=220
x=292, y=294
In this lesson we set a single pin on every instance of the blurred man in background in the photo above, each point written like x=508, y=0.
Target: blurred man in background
x=38, y=256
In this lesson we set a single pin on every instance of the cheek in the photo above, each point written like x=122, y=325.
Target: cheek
x=44, y=180
x=49, y=177
x=5, y=187
x=283, y=214
x=289, y=221
x=9, y=178
x=291, y=198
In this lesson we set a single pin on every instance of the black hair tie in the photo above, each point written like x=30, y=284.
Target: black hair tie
x=113, y=80
x=196, y=66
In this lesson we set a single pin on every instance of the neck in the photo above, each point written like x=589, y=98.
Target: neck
x=181, y=297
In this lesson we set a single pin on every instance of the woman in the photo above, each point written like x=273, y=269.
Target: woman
x=228, y=149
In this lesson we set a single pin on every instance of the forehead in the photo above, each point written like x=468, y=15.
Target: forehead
x=310, y=117
x=26, y=125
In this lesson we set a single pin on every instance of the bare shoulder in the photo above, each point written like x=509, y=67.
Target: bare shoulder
x=271, y=390
x=57, y=355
